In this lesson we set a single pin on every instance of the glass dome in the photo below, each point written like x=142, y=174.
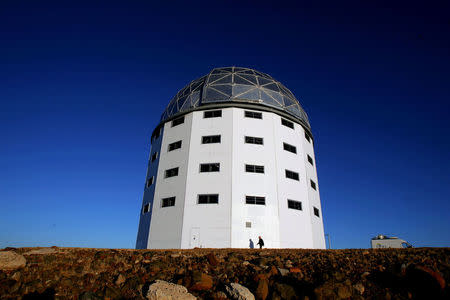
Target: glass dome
x=238, y=85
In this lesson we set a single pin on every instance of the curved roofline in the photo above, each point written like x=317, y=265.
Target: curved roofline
x=236, y=85
x=250, y=105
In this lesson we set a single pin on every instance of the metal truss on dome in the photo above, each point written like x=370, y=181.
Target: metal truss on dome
x=234, y=84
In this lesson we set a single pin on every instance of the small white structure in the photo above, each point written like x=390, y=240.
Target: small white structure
x=232, y=159
x=383, y=241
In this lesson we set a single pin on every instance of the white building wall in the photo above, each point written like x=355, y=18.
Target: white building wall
x=295, y=225
x=149, y=193
x=189, y=224
x=166, y=222
x=263, y=218
x=314, y=195
x=208, y=225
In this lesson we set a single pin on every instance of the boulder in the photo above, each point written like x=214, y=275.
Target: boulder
x=201, y=281
x=41, y=251
x=239, y=292
x=10, y=260
x=163, y=290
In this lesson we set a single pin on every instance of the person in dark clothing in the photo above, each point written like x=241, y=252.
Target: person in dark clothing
x=260, y=242
x=251, y=244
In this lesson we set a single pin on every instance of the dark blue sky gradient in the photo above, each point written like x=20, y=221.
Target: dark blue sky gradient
x=83, y=85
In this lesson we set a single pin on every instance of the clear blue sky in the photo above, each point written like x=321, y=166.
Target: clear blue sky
x=83, y=85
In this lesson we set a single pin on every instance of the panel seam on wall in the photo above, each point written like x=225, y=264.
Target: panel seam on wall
x=155, y=184
x=310, y=209
x=186, y=178
x=231, y=172
x=276, y=178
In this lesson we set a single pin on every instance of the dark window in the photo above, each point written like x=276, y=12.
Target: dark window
x=211, y=139
x=171, y=172
x=175, y=145
x=156, y=134
x=292, y=175
x=313, y=184
x=215, y=167
x=287, y=123
x=294, y=204
x=254, y=140
x=146, y=208
x=310, y=160
x=254, y=169
x=316, y=211
x=165, y=202
x=253, y=114
x=255, y=200
x=212, y=114
x=208, y=199
x=248, y=224
x=307, y=137
x=290, y=148
x=154, y=156
x=150, y=181
x=178, y=121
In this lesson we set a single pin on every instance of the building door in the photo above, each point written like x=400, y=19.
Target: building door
x=195, y=237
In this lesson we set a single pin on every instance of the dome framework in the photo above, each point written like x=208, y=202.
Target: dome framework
x=236, y=85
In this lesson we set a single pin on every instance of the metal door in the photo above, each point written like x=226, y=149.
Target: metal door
x=195, y=237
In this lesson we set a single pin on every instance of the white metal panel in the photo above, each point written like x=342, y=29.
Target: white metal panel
x=213, y=220
x=166, y=223
x=264, y=218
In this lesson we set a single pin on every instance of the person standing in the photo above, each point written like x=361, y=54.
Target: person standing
x=260, y=242
x=251, y=244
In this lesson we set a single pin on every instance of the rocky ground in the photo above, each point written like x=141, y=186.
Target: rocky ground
x=77, y=273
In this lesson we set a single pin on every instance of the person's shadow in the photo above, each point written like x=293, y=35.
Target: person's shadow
x=252, y=245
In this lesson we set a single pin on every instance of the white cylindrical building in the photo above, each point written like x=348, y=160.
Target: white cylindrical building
x=232, y=159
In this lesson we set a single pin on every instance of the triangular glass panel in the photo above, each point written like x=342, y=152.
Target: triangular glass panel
x=276, y=96
x=181, y=101
x=262, y=80
x=240, y=89
x=215, y=77
x=247, y=71
x=226, y=79
x=224, y=88
x=238, y=79
x=227, y=69
x=305, y=116
x=218, y=71
x=272, y=86
x=195, y=85
x=294, y=109
x=261, y=74
x=288, y=101
x=172, y=108
x=186, y=105
x=195, y=97
x=269, y=100
x=213, y=96
x=251, y=78
x=252, y=95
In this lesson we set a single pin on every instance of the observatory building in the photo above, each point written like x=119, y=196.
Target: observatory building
x=232, y=159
